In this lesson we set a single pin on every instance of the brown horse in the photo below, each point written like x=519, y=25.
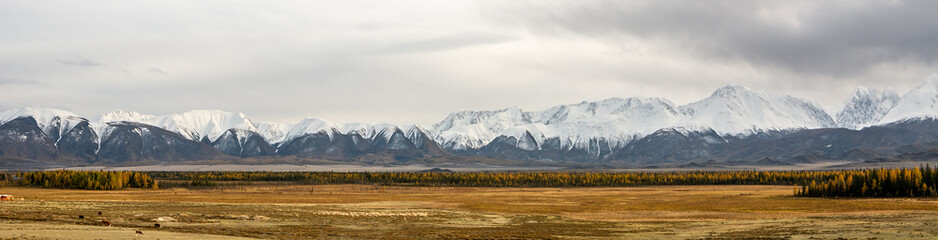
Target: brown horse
x=106, y=222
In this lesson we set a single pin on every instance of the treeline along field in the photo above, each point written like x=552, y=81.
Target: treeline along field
x=90, y=180
x=917, y=182
x=512, y=179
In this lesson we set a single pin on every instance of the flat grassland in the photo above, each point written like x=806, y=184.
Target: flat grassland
x=369, y=212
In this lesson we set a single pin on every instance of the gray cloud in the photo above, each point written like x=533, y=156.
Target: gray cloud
x=80, y=62
x=417, y=61
x=157, y=71
x=446, y=43
x=823, y=37
x=18, y=81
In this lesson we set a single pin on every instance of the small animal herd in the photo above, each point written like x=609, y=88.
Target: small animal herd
x=105, y=222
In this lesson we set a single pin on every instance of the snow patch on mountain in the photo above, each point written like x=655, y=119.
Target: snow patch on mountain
x=127, y=116
x=52, y=122
x=528, y=137
x=273, y=132
x=373, y=131
x=198, y=124
x=473, y=129
x=310, y=126
x=368, y=130
x=417, y=133
x=737, y=110
x=919, y=103
x=616, y=120
x=866, y=107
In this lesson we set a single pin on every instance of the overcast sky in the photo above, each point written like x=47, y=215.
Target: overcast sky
x=417, y=61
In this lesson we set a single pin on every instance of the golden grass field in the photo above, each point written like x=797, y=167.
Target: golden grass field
x=370, y=212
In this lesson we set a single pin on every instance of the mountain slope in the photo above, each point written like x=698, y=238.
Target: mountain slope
x=53, y=122
x=197, y=125
x=200, y=125
x=920, y=102
x=866, y=107
x=318, y=138
x=126, y=116
x=231, y=133
x=473, y=129
x=595, y=129
x=571, y=126
x=22, y=137
x=615, y=120
x=736, y=110
x=273, y=132
x=137, y=142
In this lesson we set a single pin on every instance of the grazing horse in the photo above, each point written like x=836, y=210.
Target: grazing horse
x=81, y=216
x=157, y=225
x=139, y=233
x=106, y=222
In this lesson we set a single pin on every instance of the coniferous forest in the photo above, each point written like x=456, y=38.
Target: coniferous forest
x=917, y=182
x=90, y=180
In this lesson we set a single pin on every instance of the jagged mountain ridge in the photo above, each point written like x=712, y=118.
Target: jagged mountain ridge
x=919, y=103
x=617, y=129
x=191, y=136
x=731, y=110
x=53, y=122
x=195, y=124
x=866, y=107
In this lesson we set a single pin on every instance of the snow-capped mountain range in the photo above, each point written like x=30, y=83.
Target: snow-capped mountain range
x=731, y=110
x=593, y=128
x=195, y=124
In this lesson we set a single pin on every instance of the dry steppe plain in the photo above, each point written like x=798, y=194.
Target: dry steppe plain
x=287, y=211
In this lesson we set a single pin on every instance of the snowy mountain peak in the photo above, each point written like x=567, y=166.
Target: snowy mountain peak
x=861, y=91
x=615, y=120
x=121, y=115
x=738, y=110
x=932, y=80
x=372, y=131
x=510, y=112
x=920, y=102
x=473, y=129
x=310, y=126
x=732, y=90
x=42, y=115
x=193, y=124
x=866, y=107
x=198, y=124
x=53, y=122
x=369, y=130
